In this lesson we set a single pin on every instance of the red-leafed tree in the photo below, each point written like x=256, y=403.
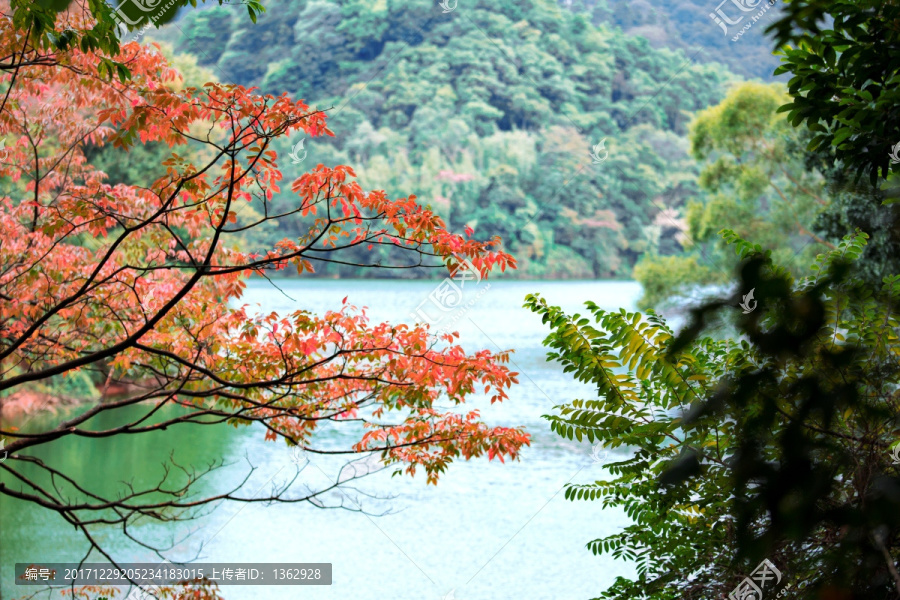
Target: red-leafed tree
x=139, y=283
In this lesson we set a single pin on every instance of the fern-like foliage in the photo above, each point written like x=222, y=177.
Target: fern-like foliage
x=748, y=447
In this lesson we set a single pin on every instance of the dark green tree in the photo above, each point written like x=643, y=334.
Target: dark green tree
x=844, y=60
x=772, y=445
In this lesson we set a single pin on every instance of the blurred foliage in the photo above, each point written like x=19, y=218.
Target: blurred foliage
x=663, y=277
x=77, y=385
x=756, y=178
x=858, y=204
x=772, y=444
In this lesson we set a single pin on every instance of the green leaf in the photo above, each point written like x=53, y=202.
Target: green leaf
x=841, y=135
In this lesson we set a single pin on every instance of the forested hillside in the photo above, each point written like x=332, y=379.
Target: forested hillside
x=687, y=25
x=488, y=112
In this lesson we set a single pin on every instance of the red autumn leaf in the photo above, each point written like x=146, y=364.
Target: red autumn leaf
x=155, y=298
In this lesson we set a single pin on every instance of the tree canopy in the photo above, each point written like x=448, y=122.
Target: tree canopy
x=845, y=84
x=139, y=285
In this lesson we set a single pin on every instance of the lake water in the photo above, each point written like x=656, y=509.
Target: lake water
x=486, y=531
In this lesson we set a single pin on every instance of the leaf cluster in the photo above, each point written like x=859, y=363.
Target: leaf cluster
x=845, y=78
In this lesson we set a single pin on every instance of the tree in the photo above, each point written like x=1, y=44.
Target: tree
x=859, y=205
x=842, y=57
x=775, y=445
x=756, y=180
x=845, y=82
x=775, y=442
x=138, y=286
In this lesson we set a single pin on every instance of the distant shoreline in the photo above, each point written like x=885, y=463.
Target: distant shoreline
x=24, y=403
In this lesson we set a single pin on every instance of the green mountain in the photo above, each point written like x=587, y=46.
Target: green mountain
x=687, y=25
x=487, y=111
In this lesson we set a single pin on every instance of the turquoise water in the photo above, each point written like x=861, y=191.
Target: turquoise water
x=486, y=531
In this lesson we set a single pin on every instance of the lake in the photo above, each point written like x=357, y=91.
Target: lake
x=486, y=531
